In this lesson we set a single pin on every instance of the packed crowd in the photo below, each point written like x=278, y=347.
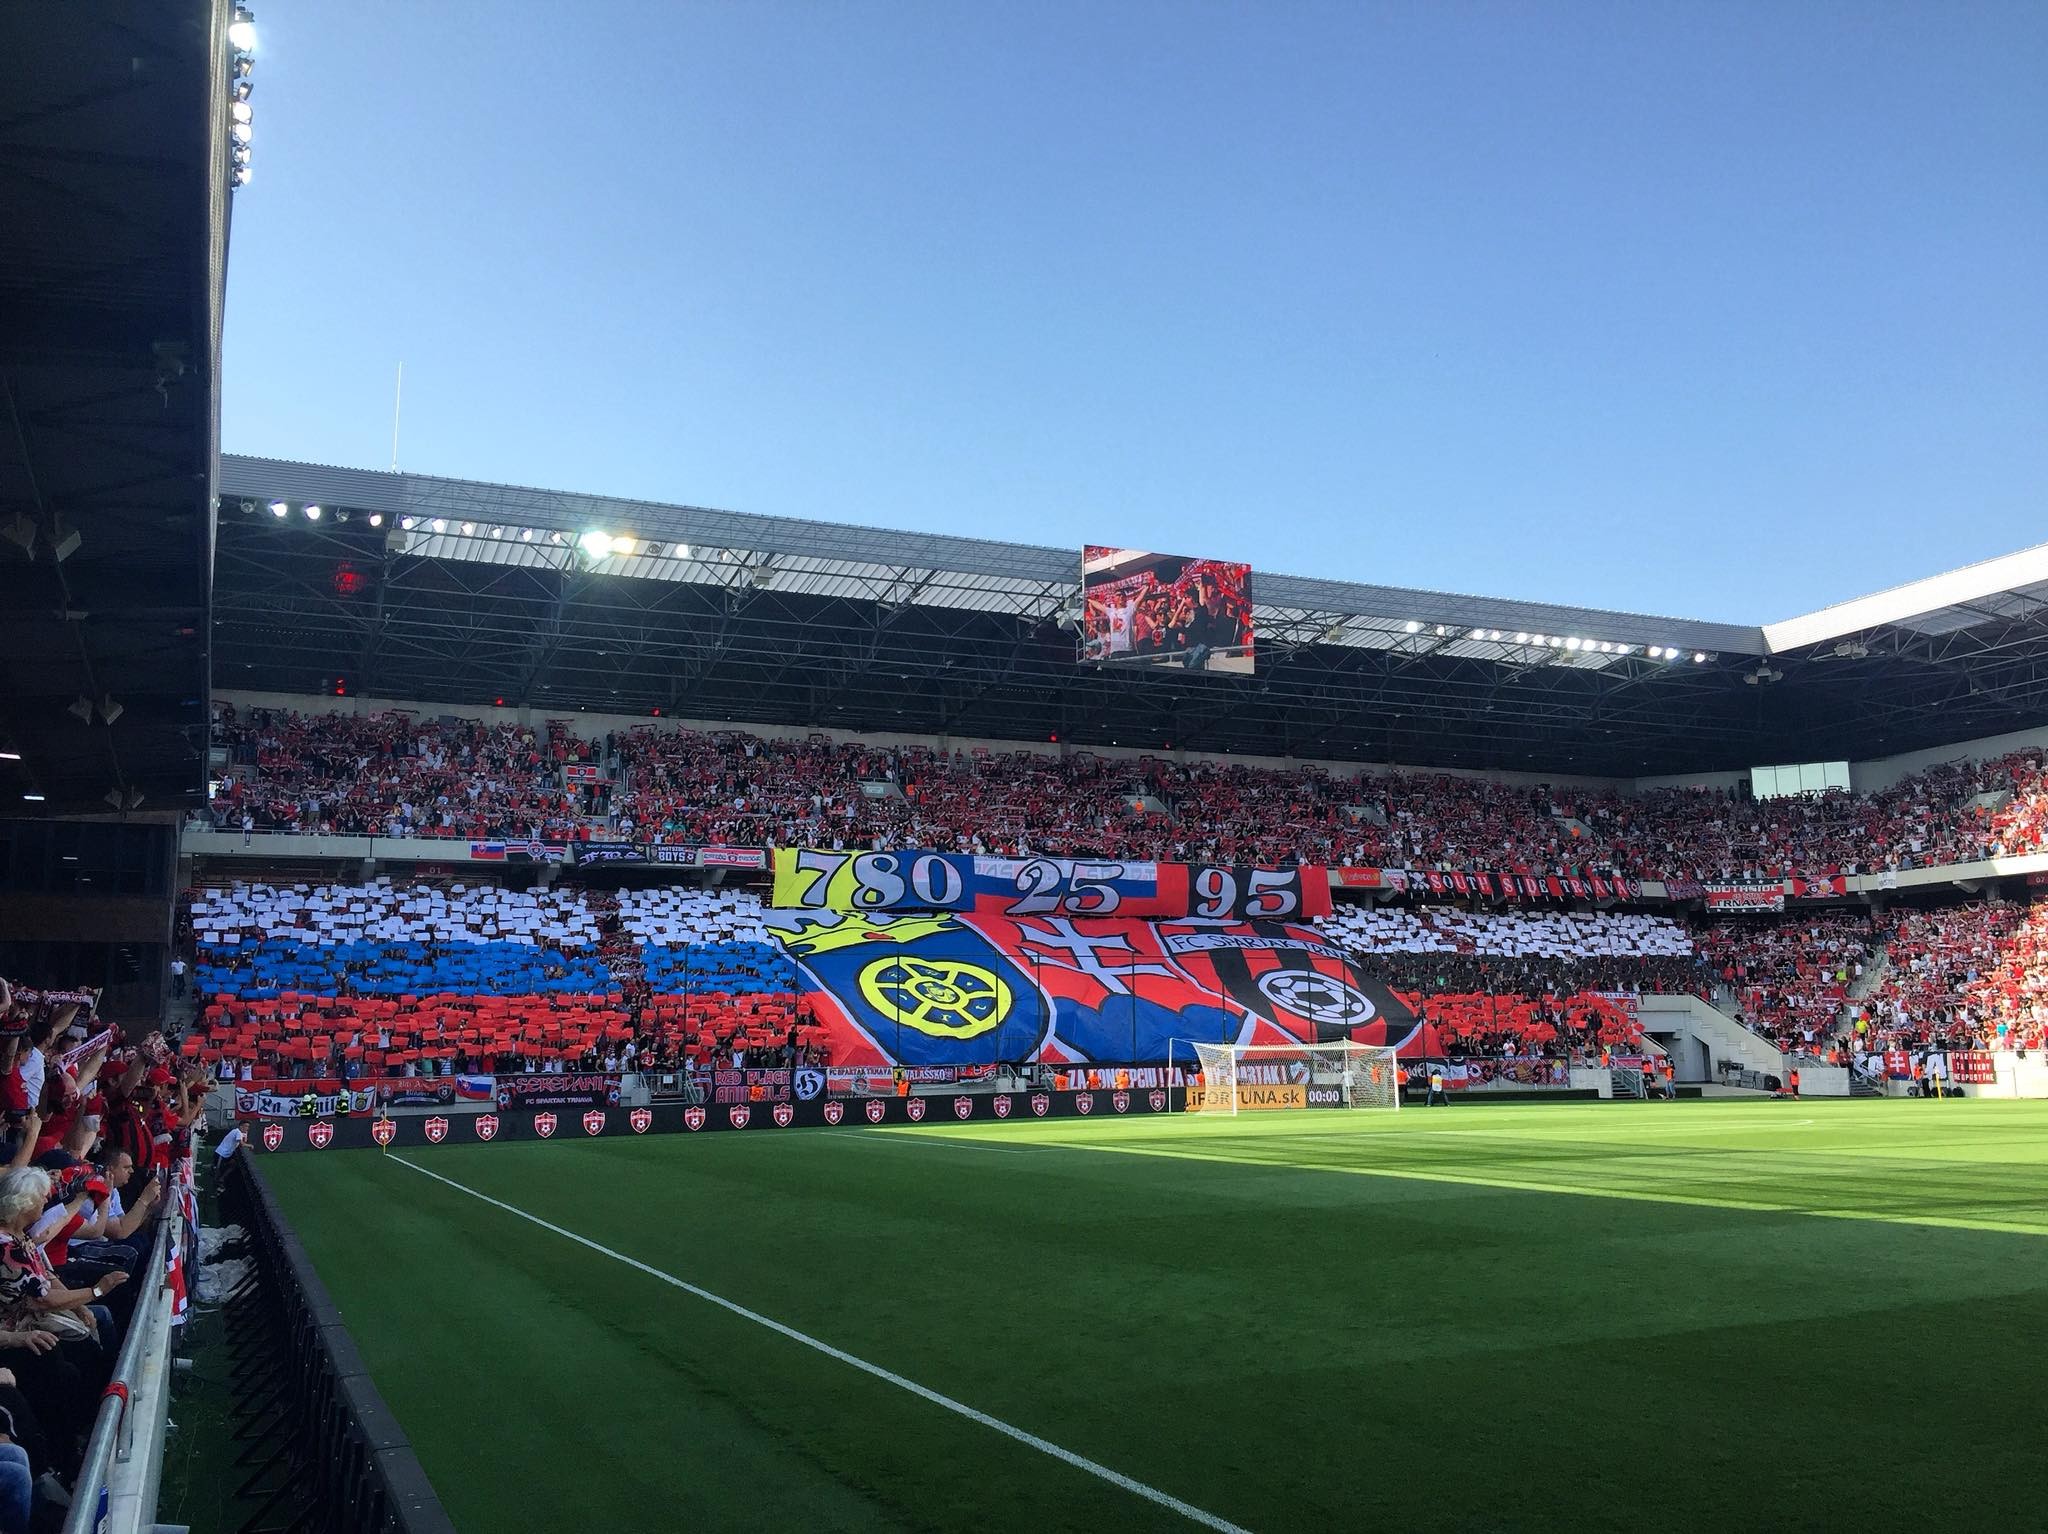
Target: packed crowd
x=1788, y=977
x=90, y=1132
x=398, y=774
x=1971, y=975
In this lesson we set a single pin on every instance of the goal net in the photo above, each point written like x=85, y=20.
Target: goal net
x=1255, y=1077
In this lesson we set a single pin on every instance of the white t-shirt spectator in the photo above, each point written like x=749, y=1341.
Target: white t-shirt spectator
x=32, y=1069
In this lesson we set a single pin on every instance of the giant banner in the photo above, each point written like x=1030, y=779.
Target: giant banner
x=808, y=879
x=975, y=988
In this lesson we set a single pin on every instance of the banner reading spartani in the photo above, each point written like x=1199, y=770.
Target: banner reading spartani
x=592, y=1090
x=811, y=880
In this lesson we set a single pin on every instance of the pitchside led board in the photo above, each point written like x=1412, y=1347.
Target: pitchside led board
x=1143, y=609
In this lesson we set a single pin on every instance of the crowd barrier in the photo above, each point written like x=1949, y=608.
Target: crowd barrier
x=125, y=1447
x=342, y=1459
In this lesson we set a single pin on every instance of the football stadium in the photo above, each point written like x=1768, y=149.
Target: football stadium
x=534, y=1009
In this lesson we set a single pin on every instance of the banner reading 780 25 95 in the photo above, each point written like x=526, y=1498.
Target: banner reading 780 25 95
x=807, y=879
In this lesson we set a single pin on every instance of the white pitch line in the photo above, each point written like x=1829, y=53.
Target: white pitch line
x=1151, y=1494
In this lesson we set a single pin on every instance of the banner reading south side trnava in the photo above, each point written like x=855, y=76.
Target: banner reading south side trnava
x=812, y=880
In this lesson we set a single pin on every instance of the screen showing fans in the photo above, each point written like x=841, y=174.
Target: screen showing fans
x=1164, y=610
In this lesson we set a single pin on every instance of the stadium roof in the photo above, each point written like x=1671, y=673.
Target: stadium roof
x=114, y=203
x=408, y=585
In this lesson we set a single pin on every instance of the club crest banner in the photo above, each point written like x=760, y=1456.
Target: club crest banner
x=975, y=989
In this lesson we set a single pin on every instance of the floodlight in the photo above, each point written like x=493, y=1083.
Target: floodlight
x=622, y=545
x=1412, y=627
x=240, y=132
x=1699, y=657
x=526, y=535
x=240, y=110
x=1521, y=639
x=10, y=756
x=242, y=31
x=33, y=798
x=376, y=519
x=278, y=508
x=597, y=545
x=110, y=710
x=312, y=513
x=439, y=524
x=468, y=528
x=81, y=710
x=1477, y=634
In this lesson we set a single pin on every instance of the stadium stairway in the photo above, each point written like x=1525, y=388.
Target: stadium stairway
x=1724, y=1038
x=1874, y=972
x=618, y=950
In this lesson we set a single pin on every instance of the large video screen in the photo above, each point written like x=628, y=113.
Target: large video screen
x=1165, y=610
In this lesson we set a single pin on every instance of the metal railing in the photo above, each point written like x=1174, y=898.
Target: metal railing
x=113, y=1426
x=324, y=1450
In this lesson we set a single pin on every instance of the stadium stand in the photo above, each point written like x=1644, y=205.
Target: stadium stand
x=393, y=775
x=1975, y=974
x=89, y=1125
x=397, y=774
x=1789, y=977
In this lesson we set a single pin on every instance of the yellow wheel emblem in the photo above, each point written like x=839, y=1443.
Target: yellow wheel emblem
x=954, y=1001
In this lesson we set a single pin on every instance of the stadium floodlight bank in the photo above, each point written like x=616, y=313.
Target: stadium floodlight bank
x=1261, y=1077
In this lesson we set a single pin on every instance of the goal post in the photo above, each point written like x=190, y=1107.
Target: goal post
x=1262, y=1077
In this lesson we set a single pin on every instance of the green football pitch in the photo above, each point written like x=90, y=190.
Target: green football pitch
x=1711, y=1314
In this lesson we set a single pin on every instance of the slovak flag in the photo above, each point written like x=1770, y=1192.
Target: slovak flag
x=174, y=1276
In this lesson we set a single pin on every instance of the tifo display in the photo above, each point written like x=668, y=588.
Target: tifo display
x=340, y=984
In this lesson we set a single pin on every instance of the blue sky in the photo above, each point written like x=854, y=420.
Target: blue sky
x=1722, y=310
